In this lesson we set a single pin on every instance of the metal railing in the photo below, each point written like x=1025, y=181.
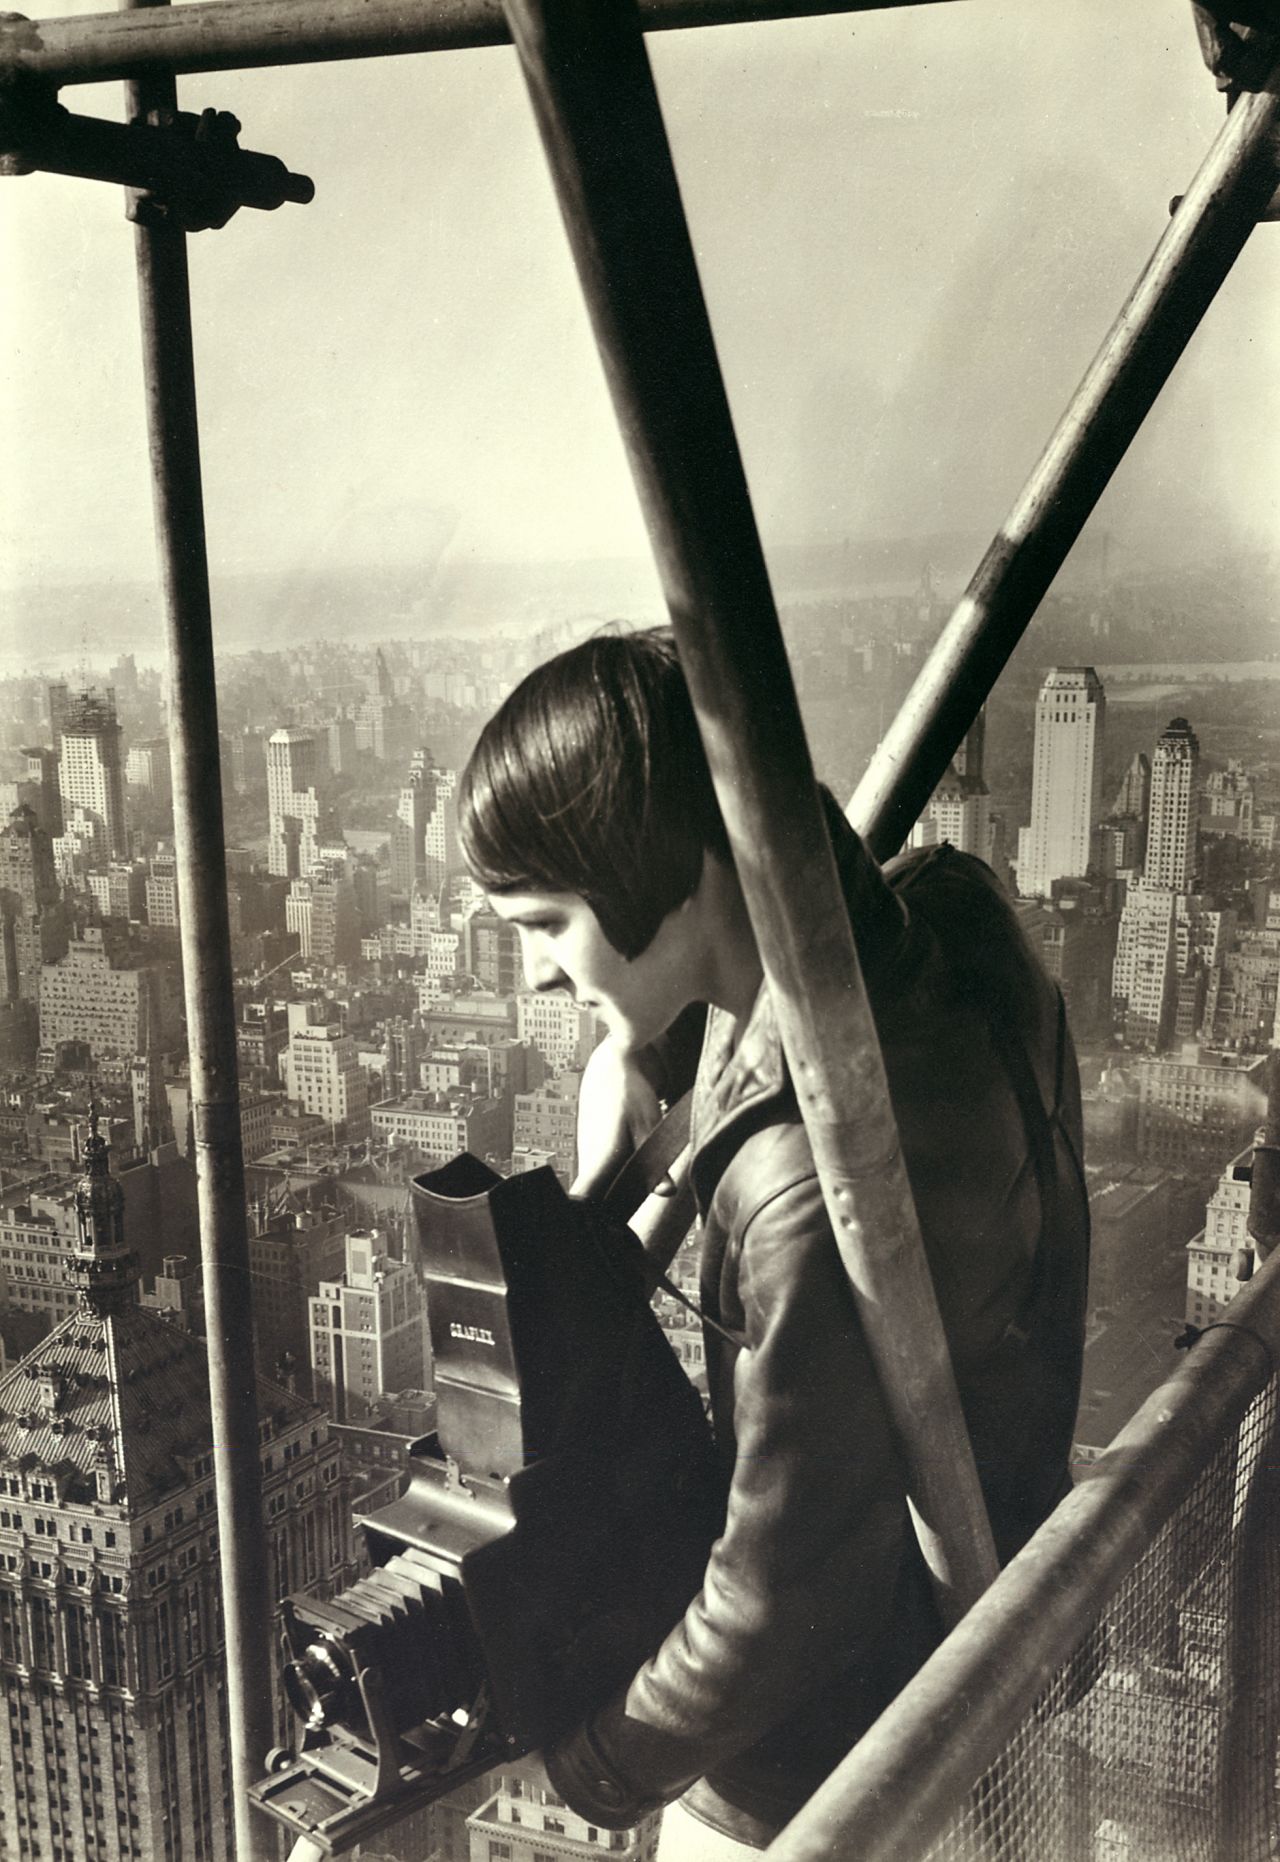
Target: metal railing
x=1123, y=1670
x=593, y=94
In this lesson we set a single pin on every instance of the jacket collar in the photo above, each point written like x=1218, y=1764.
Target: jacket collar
x=743, y=1070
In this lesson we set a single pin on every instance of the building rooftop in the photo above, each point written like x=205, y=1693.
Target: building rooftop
x=115, y=1406
x=114, y=1403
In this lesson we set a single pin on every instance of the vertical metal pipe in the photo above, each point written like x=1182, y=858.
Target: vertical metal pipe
x=1202, y=241
x=601, y=126
x=169, y=371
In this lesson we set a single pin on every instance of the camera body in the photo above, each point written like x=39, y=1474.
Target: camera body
x=553, y=1529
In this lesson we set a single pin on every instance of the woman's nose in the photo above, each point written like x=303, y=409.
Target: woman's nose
x=541, y=971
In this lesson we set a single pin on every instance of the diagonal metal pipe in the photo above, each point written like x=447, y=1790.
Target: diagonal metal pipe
x=224, y=35
x=893, y=1796
x=601, y=125
x=164, y=302
x=1201, y=243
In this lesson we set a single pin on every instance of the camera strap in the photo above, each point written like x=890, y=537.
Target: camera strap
x=641, y=1173
x=657, y=1158
x=650, y=1162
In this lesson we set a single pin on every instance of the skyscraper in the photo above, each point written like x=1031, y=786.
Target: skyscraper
x=384, y=727
x=1170, y=939
x=494, y=952
x=1133, y=798
x=148, y=766
x=1171, y=821
x=33, y=927
x=335, y=930
x=119, y=1001
x=42, y=780
x=1120, y=840
x=322, y=1073
x=546, y=1121
x=293, y=806
x=91, y=769
x=563, y=1031
x=113, y=1736
x=368, y=1330
x=292, y=1248
x=404, y=1048
x=958, y=811
x=1212, y=1254
x=382, y=676
x=1066, y=780
x=408, y=831
x=1145, y=968
x=58, y=698
x=443, y=848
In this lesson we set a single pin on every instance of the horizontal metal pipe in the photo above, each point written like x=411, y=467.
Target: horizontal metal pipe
x=1270, y=212
x=162, y=161
x=891, y=1798
x=1199, y=246
x=597, y=110
x=227, y=35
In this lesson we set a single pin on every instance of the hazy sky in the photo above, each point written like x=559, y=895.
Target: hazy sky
x=914, y=229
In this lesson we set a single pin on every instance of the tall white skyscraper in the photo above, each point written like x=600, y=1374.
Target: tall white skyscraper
x=408, y=831
x=1144, y=973
x=368, y=1331
x=1171, y=823
x=1167, y=932
x=293, y=807
x=443, y=850
x=1066, y=780
x=91, y=770
x=322, y=1073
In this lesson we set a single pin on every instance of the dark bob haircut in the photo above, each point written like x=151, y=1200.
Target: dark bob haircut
x=591, y=778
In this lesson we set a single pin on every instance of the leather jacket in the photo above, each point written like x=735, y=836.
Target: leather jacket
x=816, y=1609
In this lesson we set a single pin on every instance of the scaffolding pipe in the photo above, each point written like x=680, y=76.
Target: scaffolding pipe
x=1202, y=241
x=893, y=1796
x=173, y=431
x=226, y=35
x=593, y=95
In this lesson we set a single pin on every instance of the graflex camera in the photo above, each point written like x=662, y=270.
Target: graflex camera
x=553, y=1530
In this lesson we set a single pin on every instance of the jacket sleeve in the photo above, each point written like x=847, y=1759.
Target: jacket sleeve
x=800, y=1582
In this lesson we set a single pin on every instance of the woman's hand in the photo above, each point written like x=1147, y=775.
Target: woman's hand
x=617, y=1109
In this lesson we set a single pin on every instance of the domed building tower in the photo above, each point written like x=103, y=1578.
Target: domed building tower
x=112, y=1699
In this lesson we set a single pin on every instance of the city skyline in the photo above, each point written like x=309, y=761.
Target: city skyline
x=914, y=227
x=370, y=1053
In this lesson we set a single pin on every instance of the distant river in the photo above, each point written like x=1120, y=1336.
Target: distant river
x=1141, y=694
x=1187, y=672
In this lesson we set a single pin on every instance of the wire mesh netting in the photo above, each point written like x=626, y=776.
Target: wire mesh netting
x=1157, y=1740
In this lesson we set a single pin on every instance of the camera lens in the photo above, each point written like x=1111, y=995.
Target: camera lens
x=392, y=1625
x=320, y=1685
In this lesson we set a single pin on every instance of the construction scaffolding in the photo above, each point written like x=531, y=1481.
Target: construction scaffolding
x=592, y=93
